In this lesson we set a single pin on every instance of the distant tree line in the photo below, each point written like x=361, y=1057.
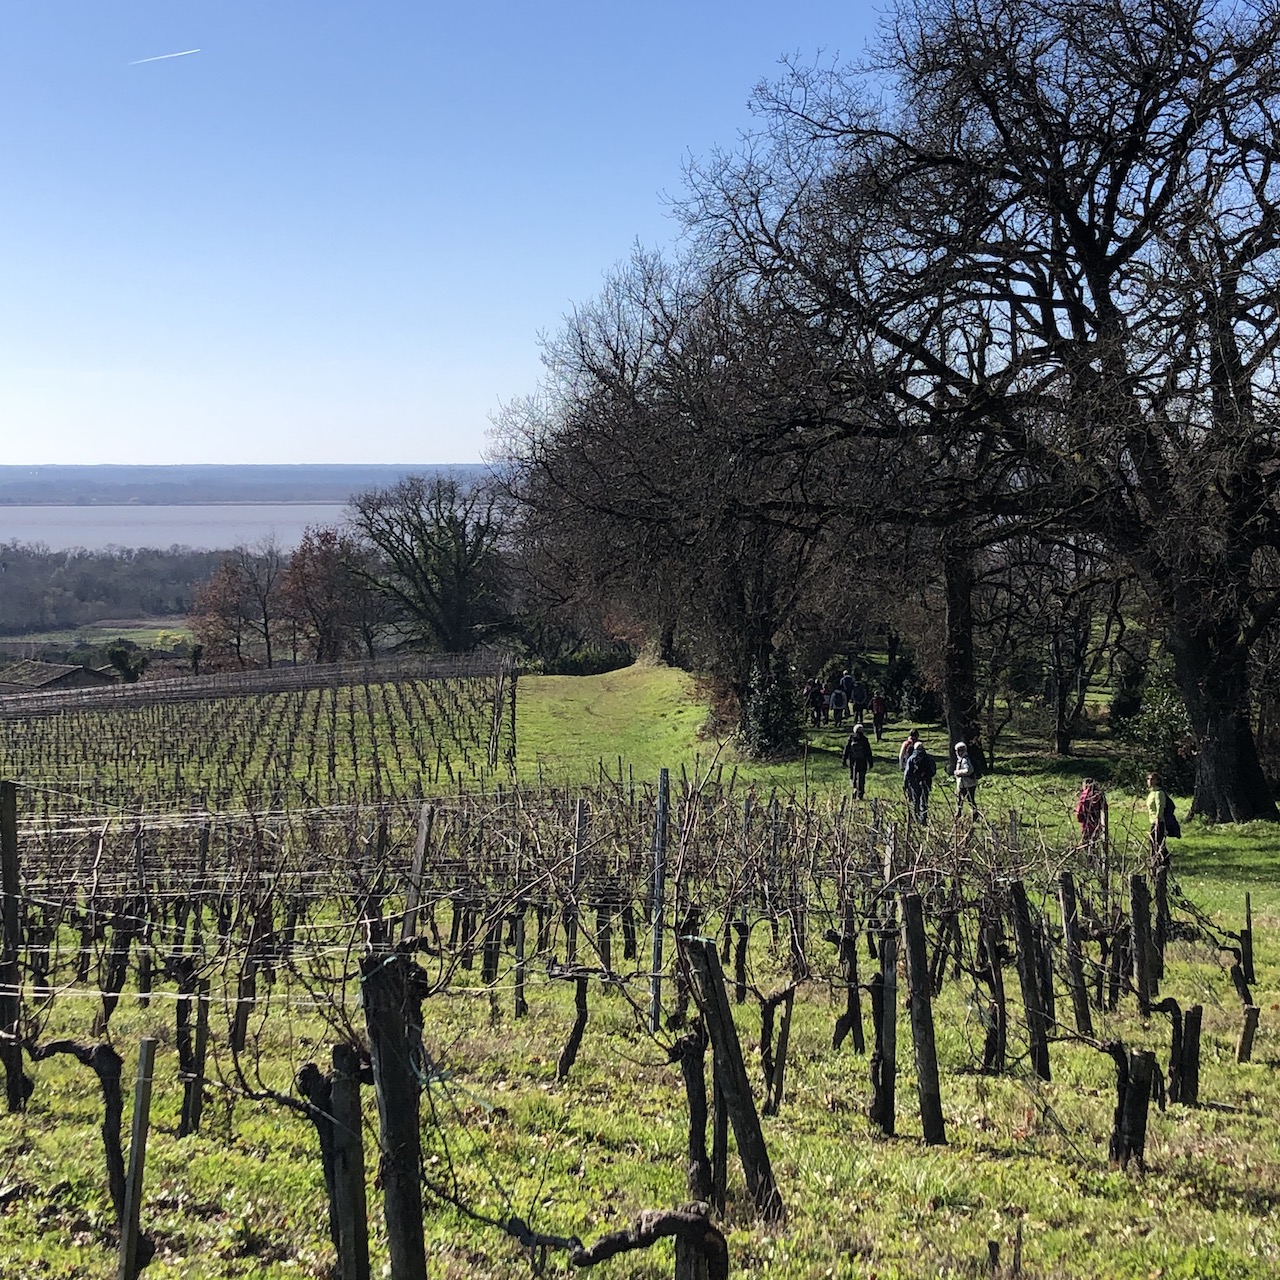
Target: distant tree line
x=417, y=565
x=43, y=590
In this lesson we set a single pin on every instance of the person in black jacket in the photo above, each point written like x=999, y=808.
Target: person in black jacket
x=856, y=757
x=917, y=781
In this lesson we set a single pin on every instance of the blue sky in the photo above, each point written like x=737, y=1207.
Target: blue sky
x=335, y=233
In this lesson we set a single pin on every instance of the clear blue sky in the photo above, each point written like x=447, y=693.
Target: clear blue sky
x=335, y=233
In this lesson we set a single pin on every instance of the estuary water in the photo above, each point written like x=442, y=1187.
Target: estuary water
x=206, y=527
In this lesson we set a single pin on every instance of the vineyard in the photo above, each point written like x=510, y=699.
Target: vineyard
x=501, y=1028
x=285, y=738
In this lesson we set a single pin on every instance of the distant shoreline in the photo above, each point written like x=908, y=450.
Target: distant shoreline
x=177, y=502
x=109, y=485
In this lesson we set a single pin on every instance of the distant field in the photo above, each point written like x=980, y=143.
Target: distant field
x=145, y=632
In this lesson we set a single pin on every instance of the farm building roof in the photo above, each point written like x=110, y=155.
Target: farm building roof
x=30, y=674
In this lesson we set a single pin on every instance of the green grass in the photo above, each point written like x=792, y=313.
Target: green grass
x=246, y=1198
x=143, y=632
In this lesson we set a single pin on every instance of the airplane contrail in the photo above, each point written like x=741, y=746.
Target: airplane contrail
x=160, y=57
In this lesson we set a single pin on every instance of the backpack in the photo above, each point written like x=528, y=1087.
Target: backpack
x=920, y=767
x=1172, y=828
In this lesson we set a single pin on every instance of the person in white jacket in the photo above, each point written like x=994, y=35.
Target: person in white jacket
x=966, y=780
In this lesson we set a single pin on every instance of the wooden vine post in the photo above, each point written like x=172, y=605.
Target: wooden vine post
x=731, y=1074
x=1144, y=951
x=348, y=1165
x=131, y=1257
x=575, y=882
x=17, y=1086
x=1029, y=979
x=1075, y=954
x=413, y=892
x=926, y=1053
x=392, y=994
x=659, y=893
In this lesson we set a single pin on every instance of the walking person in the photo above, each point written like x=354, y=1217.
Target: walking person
x=917, y=782
x=966, y=775
x=858, y=699
x=1164, y=820
x=904, y=751
x=857, y=757
x=846, y=683
x=879, y=709
x=816, y=699
x=1091, y=813
x=839, y=703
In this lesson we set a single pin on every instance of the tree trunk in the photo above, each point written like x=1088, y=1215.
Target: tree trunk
x=959, y=683
x=1211, y=666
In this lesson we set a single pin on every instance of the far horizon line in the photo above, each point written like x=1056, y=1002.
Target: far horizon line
x=12, y=466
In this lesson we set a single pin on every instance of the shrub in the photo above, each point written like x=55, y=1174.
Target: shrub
x=1160, y=740
x=770, y=725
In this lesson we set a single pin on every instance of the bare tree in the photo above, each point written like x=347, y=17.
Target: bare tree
x=1058, y=252
x=437, y=561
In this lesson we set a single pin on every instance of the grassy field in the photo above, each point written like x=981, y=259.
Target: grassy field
x=1025, y=1159
x=144, y=632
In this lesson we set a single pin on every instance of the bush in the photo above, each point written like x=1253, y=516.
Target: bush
x=770, y=725
x=586, y=662
x=1160, y=741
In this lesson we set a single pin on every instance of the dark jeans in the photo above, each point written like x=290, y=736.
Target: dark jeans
x=918, y=801
x=858, y=781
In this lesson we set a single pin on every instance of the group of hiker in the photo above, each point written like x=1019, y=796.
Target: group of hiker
x=831, y=702
x=918, y=770
x=1162, y=816
x=848, y=697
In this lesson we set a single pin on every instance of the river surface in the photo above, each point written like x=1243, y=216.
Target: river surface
x=212, y=527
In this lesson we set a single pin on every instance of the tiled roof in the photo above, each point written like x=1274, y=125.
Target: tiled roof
x=32, y=675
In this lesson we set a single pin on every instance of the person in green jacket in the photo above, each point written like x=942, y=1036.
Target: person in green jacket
x=1157, y=802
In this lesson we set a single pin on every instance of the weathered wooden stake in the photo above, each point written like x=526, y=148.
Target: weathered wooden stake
x=130, y=1220
x=1074, y=953
x=884, y=1059
x=17, y=1085
x=413, y=891
x=993, y=1057
x=348, y=1166
x=1144, y=974
x=659, y=894
x=391, y=992
x=1029, y=979
x=1190, y=1072
x=732, y=1073
x=575, y=880
x=522, y=1005
x=1137, y=1098
x=926, y=1053
x=1246, y=941
x=193, y=1085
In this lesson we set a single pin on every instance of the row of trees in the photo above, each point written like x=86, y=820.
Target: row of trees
x=44, y=590
x=982, y=332
x=417, y=565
